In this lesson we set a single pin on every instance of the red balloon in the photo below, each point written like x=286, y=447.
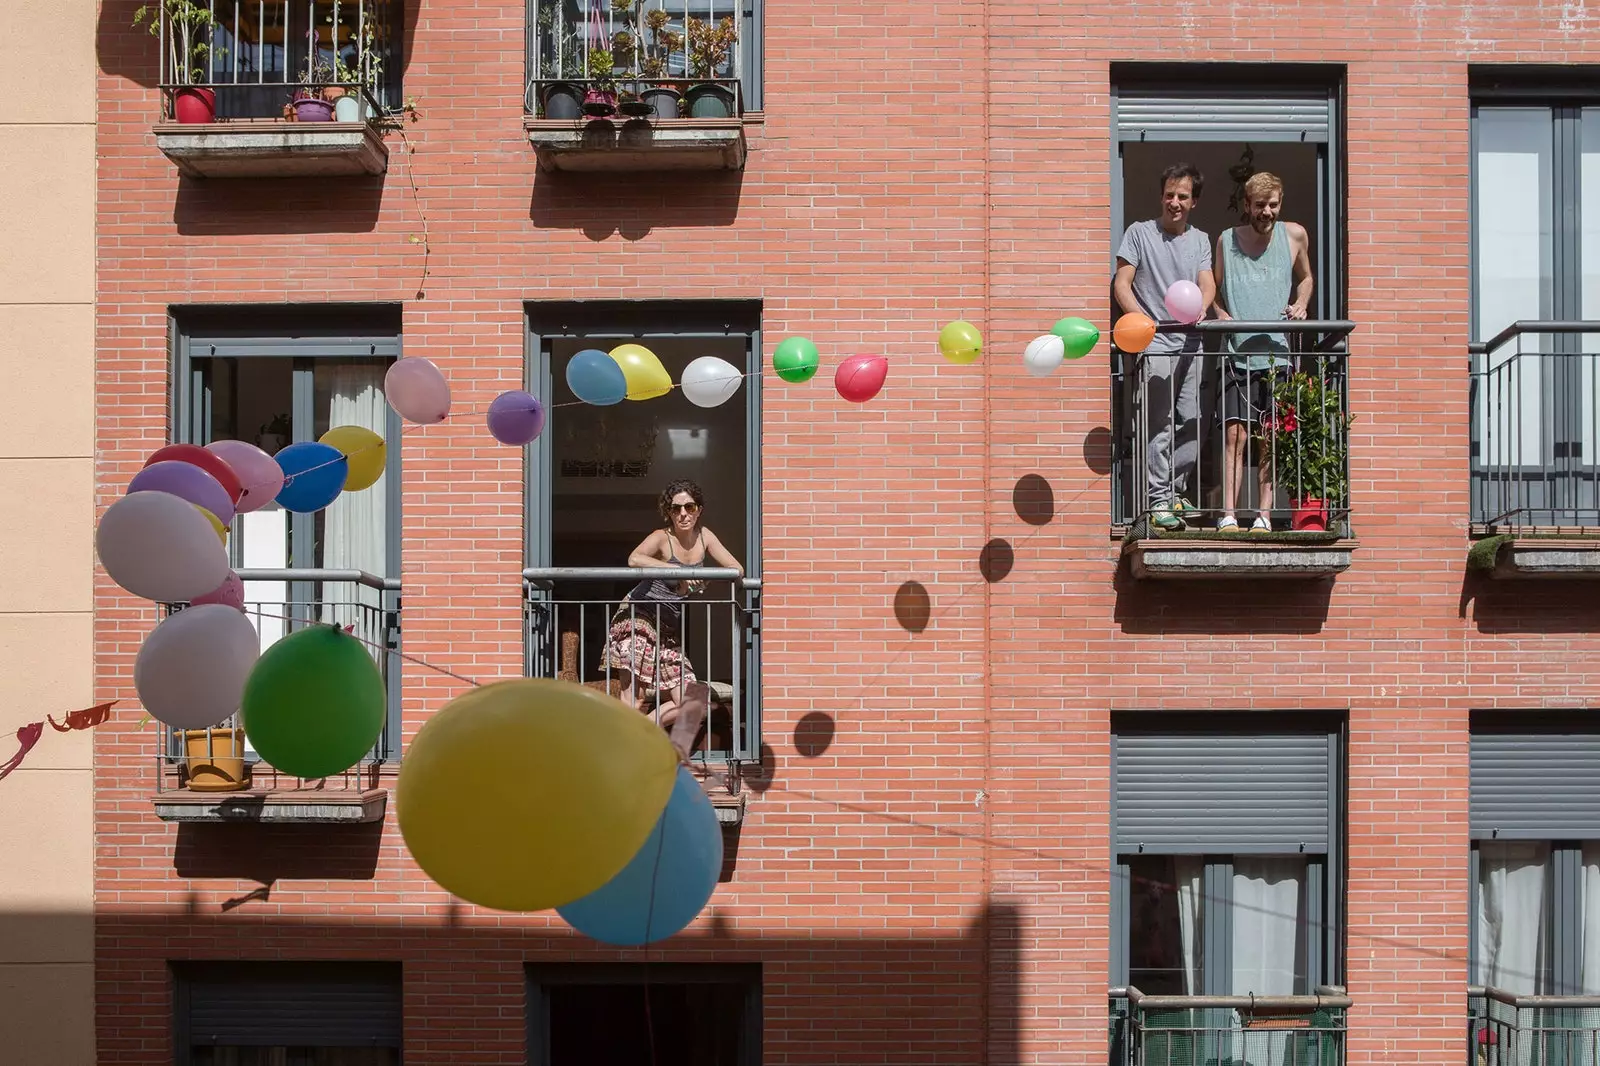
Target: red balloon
x=859, y=377
x=210, y=462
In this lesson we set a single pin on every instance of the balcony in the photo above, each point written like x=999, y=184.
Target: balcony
x=1512, y=1030
x=1535, y=409
x=1228, y=1030
x=1288, y=436
x=569, y=613
x=638, y=85
x=212, y=775
x=276, y=88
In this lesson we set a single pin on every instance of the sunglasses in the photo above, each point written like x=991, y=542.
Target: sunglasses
x=686, y=508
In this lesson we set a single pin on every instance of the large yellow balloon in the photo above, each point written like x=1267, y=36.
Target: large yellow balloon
x=365, y=450
x=529, y=794
x=645, y=375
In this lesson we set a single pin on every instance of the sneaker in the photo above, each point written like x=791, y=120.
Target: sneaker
x=1166, y=518
x=1227, y=524
x=1262, y=524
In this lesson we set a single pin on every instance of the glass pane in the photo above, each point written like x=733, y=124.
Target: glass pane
x=1513, y=916
x=211, y=1055
x=1164, y=925
x=1269, y=926
x=1588, y=400
x=698, y=1024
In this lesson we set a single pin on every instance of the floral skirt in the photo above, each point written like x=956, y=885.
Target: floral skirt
x=656, y=660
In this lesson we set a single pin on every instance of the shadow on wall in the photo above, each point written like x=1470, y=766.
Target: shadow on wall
x=271, y=853
x=274, y=206
x=631, y=205
x=1539, y=605
x=1220, y=608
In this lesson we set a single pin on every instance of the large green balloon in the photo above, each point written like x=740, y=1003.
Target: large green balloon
x=795, y=359
x=314, y=704
x=1078, y=336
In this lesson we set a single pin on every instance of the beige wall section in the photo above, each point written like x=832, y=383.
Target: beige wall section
x=47, y=183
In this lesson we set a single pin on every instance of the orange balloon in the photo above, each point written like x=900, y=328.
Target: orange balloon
x=1133, y=333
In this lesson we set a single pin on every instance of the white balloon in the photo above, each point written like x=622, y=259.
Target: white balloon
x=1044, y=354
x=191, y=671
x=160, y=547
x=710, y=382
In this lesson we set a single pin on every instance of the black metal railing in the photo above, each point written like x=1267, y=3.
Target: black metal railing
x=1535, y=410
x=1178, y=464
x=278, y=602
x=1228, y=1030
x=1505, y=1029
x=582, y=626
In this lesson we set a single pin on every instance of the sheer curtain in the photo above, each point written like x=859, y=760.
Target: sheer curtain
x=353, y=535
x=1511, y=894
x=1187, y=872
x=1268, y=939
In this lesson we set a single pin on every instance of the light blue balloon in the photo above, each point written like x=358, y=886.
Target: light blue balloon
x=594, y=377
x=313, y=476
x=666, y=884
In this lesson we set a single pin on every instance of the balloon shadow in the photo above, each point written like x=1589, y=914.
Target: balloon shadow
x=996, y=560
x=913, y=607
x=1034, y=500
x=1097, y=450
x=813, y=734
x=761, y=776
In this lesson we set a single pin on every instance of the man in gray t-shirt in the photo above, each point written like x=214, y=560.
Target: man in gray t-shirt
x=1153, y=255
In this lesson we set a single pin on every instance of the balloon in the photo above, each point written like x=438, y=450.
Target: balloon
x=1184, y=302
x=1043, y=354
x=417, y=391
x=666, y=884
x=191, y=670
x=486, y=794
x=259, y=476
x=961, y=342
x=314, y=475
x=365, y=451
x=1133, y=333
x=211, y=462
x=188, y=482
x=515, y=417
x=216, y=524
x=160, y=547
x=230, y=593
x=1079, y=335
x=795, y=359
x=314, y=704
x=859, y=377
x=645, y=375
x=710, y=382
x=594, y=377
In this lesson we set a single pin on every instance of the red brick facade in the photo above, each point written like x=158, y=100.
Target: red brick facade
x=935, y=888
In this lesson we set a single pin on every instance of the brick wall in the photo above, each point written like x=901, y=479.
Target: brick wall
x=890, y=189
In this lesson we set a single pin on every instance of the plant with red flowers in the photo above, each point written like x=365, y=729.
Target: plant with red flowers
x=1307, y=434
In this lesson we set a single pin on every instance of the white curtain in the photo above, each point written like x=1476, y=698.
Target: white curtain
x=1511, y=894
x=1187, y=873
x=1591, y=918
x=1268, y=935
x=353, y=536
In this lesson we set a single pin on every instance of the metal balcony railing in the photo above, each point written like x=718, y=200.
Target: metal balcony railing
x=1172, y=445
x=1228, y=1030
x=253, y=59
x=1512, y=1030
x=1535, y=400
x=572, y=613
x=278, y=602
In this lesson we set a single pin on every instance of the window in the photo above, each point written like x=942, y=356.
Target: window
x=288, y=379
x=287, y=1014
x=622, y=1015
x=1226, y=842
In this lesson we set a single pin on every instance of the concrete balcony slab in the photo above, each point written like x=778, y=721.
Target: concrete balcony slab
x=638, y=145
x=274, y=149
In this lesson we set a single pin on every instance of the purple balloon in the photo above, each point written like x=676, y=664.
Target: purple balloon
x=187, y=482
x=515, y=417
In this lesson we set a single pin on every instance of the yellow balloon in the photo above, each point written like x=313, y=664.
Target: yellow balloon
x=216, y=523
x=961, y=342
x=364, y=449
x=645, y=375
x=528, y=794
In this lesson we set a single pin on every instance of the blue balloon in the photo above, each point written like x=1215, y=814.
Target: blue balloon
x=313, y=476
x=666, y=884
x=594, y=377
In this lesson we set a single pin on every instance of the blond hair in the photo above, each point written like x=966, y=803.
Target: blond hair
x=1261, y=184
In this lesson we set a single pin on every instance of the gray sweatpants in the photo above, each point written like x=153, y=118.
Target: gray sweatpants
x=1172, y=418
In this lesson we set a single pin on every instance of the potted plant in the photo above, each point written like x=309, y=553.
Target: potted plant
x=709, y=47
x=309, y=103
x=188, y=38
x=600, y=101
x=353, y=99
x=213, y=759
x=560, y=98
x=664, y=99
x=1307, y=436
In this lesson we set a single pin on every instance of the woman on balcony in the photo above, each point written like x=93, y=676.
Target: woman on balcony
x=645, y=643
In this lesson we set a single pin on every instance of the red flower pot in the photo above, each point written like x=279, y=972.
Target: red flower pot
x=194, y=106
x=1309, y=514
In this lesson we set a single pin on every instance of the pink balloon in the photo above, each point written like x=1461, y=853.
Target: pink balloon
x=859, y=377
x=1184, y=303
x=230, y=593
x=417, y=391
x=261, y=478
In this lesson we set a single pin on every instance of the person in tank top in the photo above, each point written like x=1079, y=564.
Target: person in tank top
x=1263, y=270
x=644, y=647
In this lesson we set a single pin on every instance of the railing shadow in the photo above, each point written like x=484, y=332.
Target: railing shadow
x=1220, y=607
x=631, y=206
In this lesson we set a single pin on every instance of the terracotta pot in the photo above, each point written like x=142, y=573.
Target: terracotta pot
x=214, y=760
x=194, y=107
x=1309, y=514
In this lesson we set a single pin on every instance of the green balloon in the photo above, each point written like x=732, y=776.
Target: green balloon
x=314, y=704
x=1078, y=336
x=795, y=360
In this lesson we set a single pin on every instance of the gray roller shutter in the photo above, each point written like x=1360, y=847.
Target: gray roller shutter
x=1264, y=114
x=290, y=1004
x=1535, y=785
x=1223, y=792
